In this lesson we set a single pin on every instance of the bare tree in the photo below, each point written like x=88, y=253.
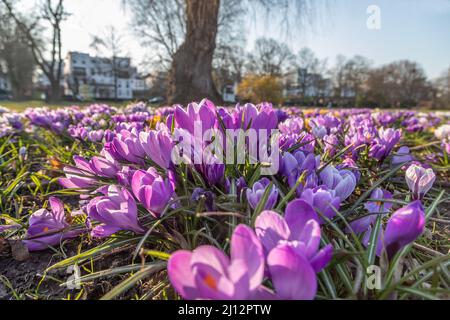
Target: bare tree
x=161, y=25
x=270, y=57
x=53, y=14
x=398, y=84
x=228, y=64
x=350, y=75
x=442, y=85
x=111, y=43
x=198, y=24
x=312, y=70
x=17, y=57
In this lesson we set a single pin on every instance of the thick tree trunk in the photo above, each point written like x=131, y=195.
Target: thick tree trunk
x=55, y=91
x=190, y=78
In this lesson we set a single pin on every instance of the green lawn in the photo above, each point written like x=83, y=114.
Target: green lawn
x=22, y=105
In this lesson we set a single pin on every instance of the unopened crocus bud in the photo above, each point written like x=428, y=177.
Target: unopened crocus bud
x=22, y=152
x=419, y=180
x=404, y=227
x=319, y=132
x=255, y=194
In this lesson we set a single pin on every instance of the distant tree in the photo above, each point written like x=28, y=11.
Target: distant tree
x=399, y=84
x=350, y=76
x=442, y=86
x=228, y=65
x=312, y=70
x=17, y=57
x=110, y=42
x=270, y=57
x=189, y=29
x=256, y=88
x=50, y=13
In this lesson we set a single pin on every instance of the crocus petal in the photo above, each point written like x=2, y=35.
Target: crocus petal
x=292, y=275
x=297, y=214
x=361, y=225
x=345, y=188
x=57, y=208
x=322, y=258
x=270, y=228
x=212, y=284
x=104, y=231
x=180, y=274
x=310, y=236
x=366, y=240
x=209, y=255
x=245, y=246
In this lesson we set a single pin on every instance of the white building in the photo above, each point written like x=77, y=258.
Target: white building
x=5, y=86
x=229, y=93
x=100, y=78
x=300, y=83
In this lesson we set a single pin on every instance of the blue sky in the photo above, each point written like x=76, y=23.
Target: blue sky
x=410, y=29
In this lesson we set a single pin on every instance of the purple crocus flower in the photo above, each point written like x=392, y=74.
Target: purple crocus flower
x=331, y=144
x=125, y=176
x=212, y=168
x=153, y=191
x=291, y=125
x=96, y=136
x=292, y=275
x=79, y=177
x=374, y=207
x=387, y=139
x=48, y=228
x=116, y=211
x=198, y=194
x=293, y=166
x=204, y=113
x=4, y=228
x=303, y=140
x=350, y=164
x=158, y=146
x=281, y=115
x=322, y=200
x=403, y=155
x=109, y=135
x=241, y=185
x=343, y=182
x=78, y=132
x=419, y=180
x=258, y=117
x=255, y=194
x=299, y=228
x=319, y=131
x=403, y=228
x=291, y=245
x=104, y=167
x=126, y=146
x=207, y=273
